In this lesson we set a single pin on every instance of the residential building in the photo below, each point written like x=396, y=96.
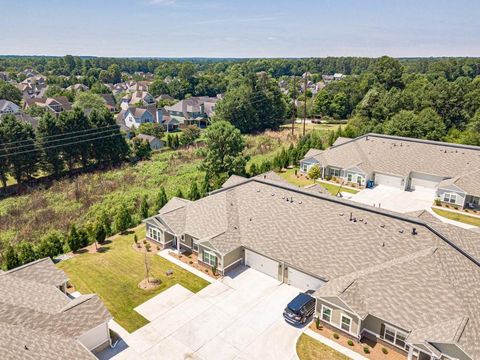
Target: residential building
x=408, y=282
x=38, y=320
x=109, y=102
x=448, y=171
x=193, y=111
x=136, y=98
x=8, y=107
x=54, y=105
x=154, y=142
x=135, y=116
x=77, y=87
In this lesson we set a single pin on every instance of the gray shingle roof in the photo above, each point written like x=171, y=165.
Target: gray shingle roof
x=469, y=183
x=32, y=307
x=400, y=156
x=373, y=262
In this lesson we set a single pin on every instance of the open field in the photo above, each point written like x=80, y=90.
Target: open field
x=310, y=127
x=310, y=349
x=115, y=272
x=458, y=217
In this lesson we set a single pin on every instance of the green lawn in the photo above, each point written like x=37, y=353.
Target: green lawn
x=310, y=349
x=301, y=181
x=458, y=217
x=115, y=274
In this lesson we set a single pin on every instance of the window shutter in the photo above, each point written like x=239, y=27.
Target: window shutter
x=382, y=331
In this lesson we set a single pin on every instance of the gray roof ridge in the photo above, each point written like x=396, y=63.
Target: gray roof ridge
x=25, y=266
x=461, y=329
x=78, y=301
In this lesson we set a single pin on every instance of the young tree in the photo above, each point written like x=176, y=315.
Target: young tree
x=26, y=252
x=123, y=220
x=106, y=222
x=314, y=173
x=224, y=145
x=141, y=149
x=151, y=129
x=253, y=170
x=194, y=193
x=89, y=101
x=10, y=258
x=50, y=245
x=161, y=199
x=99, y=233
x=73, y=239
x=144, y=208
x=83, y=238
x=179, y=193
x=190, y=134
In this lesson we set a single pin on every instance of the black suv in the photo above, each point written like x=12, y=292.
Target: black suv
x=299, y=309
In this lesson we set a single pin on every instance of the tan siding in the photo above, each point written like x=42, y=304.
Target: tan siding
x=336, y=316
x=233, y=256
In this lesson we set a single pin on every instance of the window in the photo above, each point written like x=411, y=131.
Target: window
x=209, y=258
x=305, y=167
x=154, y=234
x=395, y=336
x=450, y=198
x=326, y=313
x=335, y=172
x=349, y=177
x=195, y=245
x=346, y=323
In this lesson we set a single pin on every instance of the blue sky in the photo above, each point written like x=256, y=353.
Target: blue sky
x=241, y=28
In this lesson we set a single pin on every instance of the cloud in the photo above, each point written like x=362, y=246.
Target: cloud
x=162, y=2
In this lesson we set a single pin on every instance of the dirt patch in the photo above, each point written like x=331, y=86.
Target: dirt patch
x=149, y=284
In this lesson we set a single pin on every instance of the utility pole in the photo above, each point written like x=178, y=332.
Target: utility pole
x=294, y=112
x=305, y=102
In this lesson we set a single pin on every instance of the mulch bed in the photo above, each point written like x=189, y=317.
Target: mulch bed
x=141, y=247
x=191, y=260
x=149, y=284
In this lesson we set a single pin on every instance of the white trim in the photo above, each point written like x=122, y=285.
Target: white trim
x=331, y=314
x=395, y=331
x=350, y=322
x=340, y=307
x=209, y=253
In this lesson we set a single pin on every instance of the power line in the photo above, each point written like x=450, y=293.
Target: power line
x=61, y=145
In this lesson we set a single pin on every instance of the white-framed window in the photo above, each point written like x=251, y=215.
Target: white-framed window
x=335, y=172
x=305, y=167
x=195, y=245
x=450, y=198
x=349, y=177
x=154, y=234
x=346, y=323
x=395, y=336
x=209, y=258
x=326, y=313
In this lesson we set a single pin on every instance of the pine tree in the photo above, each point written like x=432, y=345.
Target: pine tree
x=26, y=252
x=161, y=199
x=194, y=194
x=179, y=193
x=104, y=219
x=205, y=186
x=73, y=239
x=123, y=220
x=83, y=237
x=10, y=258
x=253, y=170
x=100, y=233
x=144, y=208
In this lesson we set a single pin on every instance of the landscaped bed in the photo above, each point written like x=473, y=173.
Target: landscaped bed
x=374, y=350
x=192, y=260
x=310, y=349
x=116, y=272
x=471, y=220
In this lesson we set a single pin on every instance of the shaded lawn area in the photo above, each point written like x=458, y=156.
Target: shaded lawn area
x=115, y=273
x=310, y=349
x=301, y=181
x=458, y=217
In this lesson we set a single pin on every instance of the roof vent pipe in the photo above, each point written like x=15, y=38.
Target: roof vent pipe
x=351, y=216
x=414, y=231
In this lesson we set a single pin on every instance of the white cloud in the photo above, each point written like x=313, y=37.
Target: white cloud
x=162, y=2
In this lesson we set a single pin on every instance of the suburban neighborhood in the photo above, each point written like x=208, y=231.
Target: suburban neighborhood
x=251, y=180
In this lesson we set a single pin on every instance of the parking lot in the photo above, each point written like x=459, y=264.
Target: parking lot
x=237, y=317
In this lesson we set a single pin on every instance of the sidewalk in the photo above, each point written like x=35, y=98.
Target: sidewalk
x=165, y=255
x=330, y=343
x=452, y=222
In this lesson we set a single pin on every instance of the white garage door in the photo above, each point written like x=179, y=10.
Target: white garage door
x=420, y=181
x=303, y=281
x=261, y=263
x=389, y=180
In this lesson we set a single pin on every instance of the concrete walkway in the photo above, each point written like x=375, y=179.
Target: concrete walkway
x=452, y=222
x=165, y=254
x=334, y=345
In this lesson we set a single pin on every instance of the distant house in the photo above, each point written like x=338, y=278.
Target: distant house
x=154, y=142
x=4, y=76
x=133, y=117
x=164, y=97
x=54, y=105
x=137, y=97
x=193, y=111
x=109, y=102
x=40, y=321
x=8, y=107
x=77, y=87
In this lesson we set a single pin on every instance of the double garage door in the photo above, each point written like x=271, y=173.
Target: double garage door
x=275, y=269
x=423, y=181
x=388, y=180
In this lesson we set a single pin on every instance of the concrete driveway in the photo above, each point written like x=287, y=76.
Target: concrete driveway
x=237, y=317
x=395, y=199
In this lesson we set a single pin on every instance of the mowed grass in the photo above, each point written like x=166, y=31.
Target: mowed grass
x=114, y=275
x=458, y=217
x=301, y=181
x=310, y=349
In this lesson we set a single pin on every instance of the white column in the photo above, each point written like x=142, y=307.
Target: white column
x=410, y=353
x=178, y=244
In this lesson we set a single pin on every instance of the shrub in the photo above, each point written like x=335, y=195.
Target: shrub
x=366, y=350
x=147, y=246
x=317, y=323
x=385, y=351
x=438, y=202
x=350, y=343
x=336, y=336
x=135, y=239
x=214, y=269
x=144, y=241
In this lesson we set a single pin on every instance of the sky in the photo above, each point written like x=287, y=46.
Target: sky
x=240, y=28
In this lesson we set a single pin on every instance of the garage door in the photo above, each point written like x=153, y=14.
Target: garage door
x=261, y=263
x=389, y=180
x=303, y=281
x=420, y=181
